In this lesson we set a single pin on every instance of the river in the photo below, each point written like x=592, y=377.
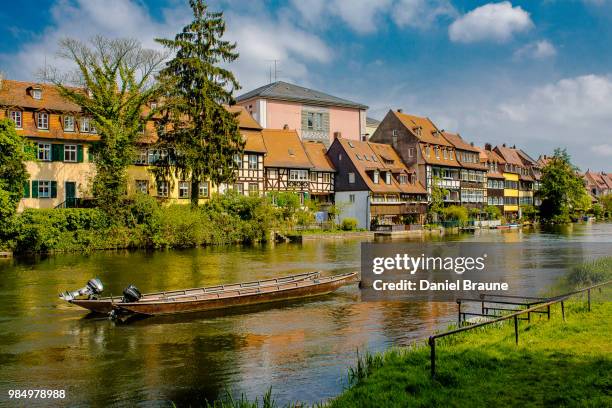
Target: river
x=301, y=349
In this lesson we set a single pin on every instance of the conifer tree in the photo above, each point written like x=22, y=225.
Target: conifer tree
x=201, y=136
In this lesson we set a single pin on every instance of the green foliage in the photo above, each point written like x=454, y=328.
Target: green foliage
x=493, y=212
x=288, y=203
x=474, y=212
x=117, y=74
x=591, y=272
x=455, y=213
x=562, y=189
x=349, y=224
x=606, y=203
x=598, y=211
x=436, y=203
x=335, y=210
x=529, y=212
x=201, y=135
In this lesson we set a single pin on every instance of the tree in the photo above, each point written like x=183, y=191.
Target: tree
x=493, y=212
x=436, y=205
x=529, y=212
x=201, y=135
x=115, y=81
x=606, y=203
x=562, y=189
x=456, y=213
x=13, y=173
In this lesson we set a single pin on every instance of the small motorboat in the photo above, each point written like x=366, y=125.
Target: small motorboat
x=186, y=300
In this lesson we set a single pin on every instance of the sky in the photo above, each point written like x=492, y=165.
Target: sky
x=535, y=74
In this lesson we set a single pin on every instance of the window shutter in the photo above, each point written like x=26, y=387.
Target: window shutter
x=80, y=153
x=325, y=124
x=304, y=120
x=54, y=189
x=57, y=152
x=34, y=188
x=26, y=189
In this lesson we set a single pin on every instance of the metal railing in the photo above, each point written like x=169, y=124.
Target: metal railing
x=534, y=307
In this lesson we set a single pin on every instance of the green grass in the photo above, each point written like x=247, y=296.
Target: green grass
x=556, y=364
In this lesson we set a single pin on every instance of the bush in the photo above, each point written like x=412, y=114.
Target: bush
x=493, y=212
x=455, y=213
x=591, y=272
x=349, y=224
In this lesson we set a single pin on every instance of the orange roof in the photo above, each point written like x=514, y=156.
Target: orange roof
x=245, y=120
x=491, y=157
x=253, y=141
x=369, y=156
x=510, y=155
x=316, y=152
x=16, y=93
x=284, y=149
x=450, y=161
x=456, y=140
x=429, y=132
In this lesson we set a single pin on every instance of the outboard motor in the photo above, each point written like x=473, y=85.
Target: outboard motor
x=93, y=288
x=131, y=294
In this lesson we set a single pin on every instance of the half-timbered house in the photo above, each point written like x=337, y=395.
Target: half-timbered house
x=322, y=173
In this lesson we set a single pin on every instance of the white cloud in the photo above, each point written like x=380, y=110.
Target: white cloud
x=491, y=22
x=421, y=13
x=261, y=37
x=537, y=50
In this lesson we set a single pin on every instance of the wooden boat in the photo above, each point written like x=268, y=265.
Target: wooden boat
x=105, y=305
x=238, y=297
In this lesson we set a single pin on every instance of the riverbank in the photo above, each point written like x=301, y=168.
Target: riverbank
x=555, y=364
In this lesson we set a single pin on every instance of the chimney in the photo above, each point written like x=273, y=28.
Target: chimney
x=399, y=110
x=504, y=145
x=337, y=135
x=514, y=146
x=285, y=127
x=471, y=143
x=488, y=146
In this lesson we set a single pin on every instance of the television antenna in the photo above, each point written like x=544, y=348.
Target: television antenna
x=273, y=70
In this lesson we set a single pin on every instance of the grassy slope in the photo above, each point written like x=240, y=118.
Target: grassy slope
x=555, y=364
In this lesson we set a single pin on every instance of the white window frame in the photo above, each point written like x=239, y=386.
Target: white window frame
x=142, y=186
x=69, y=151
x=37, y=94
x=162, y=188
x=313, y=176
x=272, y=174
x=42, y=120
x=351, y=178
x=69, y=123
x=351, y=198
x=253, y=189
x=376, y=177
x=45, y=149
x=203, y=190
x=17, y=117
x=388, y=177
x=85, y=125
x=298, y=175
x=183, y=189
x=326, y=177
x=44, y=189
x=253, y=162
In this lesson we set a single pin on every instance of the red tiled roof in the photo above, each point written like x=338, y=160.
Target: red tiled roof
x=316, y=152
x=284, y=149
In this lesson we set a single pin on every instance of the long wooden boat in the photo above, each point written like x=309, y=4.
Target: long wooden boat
x=105, y=305
x=238, y=297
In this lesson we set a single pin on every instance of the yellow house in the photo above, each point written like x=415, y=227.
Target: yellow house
x=61, y=137
x=512, y=168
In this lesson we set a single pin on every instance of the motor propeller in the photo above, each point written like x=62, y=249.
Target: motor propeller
x=94, y=287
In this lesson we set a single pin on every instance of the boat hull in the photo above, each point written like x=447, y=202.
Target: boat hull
x=227, y=300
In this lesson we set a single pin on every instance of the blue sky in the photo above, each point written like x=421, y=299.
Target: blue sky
x=537, y=74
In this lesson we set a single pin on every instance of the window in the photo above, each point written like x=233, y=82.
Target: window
x=375, y=178
x=69, y=123
x=85, y=125
x=203, y=190
x=411, y=152
x=351, y=178
x=44, y=189
x=352, y=198
x=427, y=151
x=298, y=175
x=153, y=105
x=314, y=121
x=272, y=173
x=403, y=179
x=239, y=188
x=142, y=186
x=313, y=176
x=253, y=189
x=17, y=118
x=142, y=157
x=437, y=152
x=162, y=188
x=388, y=177
x=253, y=162
x=70, y=153
x=326, y=178
x=42, y=120
x=445, y=154
x=238, y=160
x=37, y=93
x=44, y=152
x=184, y=189
x=394, y=137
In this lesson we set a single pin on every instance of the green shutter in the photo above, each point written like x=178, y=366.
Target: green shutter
x=57, y=152
x=26, y=189
x=80, y=153
x=54, y=189
x=34, y=188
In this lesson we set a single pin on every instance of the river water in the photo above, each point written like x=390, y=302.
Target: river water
x=301, y=349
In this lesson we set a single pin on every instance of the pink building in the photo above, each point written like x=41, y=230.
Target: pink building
x=314, y=115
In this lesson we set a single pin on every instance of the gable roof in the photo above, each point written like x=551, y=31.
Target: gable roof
x=526, y=158
x=285, y=91
x=15, y=93
x=491, y=157
x=284, y=149
x=456, y=140
x=316, y=152
x=509, y=154
x=372, y=122
x=429, y=131
x=245, y=120
x=369, y=156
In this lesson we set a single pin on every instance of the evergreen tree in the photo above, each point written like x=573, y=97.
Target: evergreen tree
x=562, y=189
x=115, y=83
x=201, y=136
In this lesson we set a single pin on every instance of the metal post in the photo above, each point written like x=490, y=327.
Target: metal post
x=548, y=311
x=516, y=329
x=563, y=310
x=459, y=313
x=432, y=346
x=482, y=310
x=589, y=297
x=529, y=317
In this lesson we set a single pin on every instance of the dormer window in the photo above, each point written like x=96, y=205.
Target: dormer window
x=445, y=154
x=388, y=177
x=16, y=116
x=42, y=120
x=85, y=125
x=36, y=93
x=375, y=177
x=69, y=123
x=403, y=179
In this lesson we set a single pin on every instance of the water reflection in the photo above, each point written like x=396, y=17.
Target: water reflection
x=301, y=348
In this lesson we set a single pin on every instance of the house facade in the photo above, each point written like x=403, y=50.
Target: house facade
x=322, y=173
x=495, y=178
x=374, y=186
x=62, y=139
x=473, y=172
x=598, y=184
x=423, y=147
x=513, y=168
x=314, y=115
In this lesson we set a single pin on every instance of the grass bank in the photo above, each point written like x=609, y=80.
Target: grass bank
x=556, y=363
